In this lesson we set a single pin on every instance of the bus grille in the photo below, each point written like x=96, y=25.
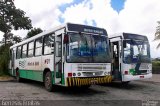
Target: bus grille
x=90, y=74
x=91, y=67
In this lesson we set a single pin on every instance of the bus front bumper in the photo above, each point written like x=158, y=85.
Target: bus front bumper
x=137, y=77
x=73, y=81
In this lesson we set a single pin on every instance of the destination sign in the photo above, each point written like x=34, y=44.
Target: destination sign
x=134, y=36
x=85, y=28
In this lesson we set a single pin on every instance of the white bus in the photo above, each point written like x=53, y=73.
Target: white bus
x=69, y=55
x=131, y=57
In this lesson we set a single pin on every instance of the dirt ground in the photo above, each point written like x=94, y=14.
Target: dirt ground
x=102, y=95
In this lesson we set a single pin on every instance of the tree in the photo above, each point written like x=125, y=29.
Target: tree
x=4, y=59
x=12, y=39
x=157, y=34
x=34, y=32
x=12, y=18
x=17, y=39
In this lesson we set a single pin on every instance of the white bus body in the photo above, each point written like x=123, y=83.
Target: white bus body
x=68, y=55
x=130, y=57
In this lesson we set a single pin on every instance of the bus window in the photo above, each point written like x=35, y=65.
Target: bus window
x=127, y=52
x=38, y=47
x=58, y=48
x=18, y=53
x=24, y=51
x=48, y=44
x=30, y=49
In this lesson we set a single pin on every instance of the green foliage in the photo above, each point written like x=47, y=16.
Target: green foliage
x=17, y=39
x=12, y=39
x=12, y=18
x=156, y=63
x=156, y=67
x=4, y=59
x=157, y=34
x=34, y=32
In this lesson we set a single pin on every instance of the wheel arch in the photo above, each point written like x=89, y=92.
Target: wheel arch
x=45, y=71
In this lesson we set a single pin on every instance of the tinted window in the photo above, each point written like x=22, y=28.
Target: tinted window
x=18, y=54
x=30, y=49
x=24, y=51
x=38, y=47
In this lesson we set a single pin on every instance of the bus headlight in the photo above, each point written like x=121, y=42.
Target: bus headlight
x=74, y=74
x=105, y=73
x=79, y=74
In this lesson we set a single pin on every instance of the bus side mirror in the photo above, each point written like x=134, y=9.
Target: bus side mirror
x=66, y=39
x=124, y=44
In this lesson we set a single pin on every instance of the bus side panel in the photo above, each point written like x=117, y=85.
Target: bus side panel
x=34, y=68
x=30, y=68
x=130, y=77
x=48, y=63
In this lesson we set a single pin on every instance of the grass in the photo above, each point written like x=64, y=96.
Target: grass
x=4, y=77
x=156, y=67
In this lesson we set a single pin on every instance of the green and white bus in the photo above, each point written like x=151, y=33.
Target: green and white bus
x=131, y=57
x=68, y=55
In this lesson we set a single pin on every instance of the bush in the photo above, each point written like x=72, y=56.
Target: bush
x=156, y=67
x=4, y=59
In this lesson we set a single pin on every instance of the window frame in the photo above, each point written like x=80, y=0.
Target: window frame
x=20, y=56
x=24, y=50
x=38, y=47
x=43, y=47
x=33, y=41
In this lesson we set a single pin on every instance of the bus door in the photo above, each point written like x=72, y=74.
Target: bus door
x=116, y=59
x=58, y=59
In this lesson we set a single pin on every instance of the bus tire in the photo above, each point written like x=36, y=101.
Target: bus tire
x=48, y=81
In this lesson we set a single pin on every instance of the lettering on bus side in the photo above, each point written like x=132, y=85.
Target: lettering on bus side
x=46, y=61
x=33, y=63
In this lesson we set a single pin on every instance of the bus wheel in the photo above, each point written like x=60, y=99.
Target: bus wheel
x=48, y=81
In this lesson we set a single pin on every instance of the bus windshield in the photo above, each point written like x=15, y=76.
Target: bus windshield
x=86, y=48
x=136, y=51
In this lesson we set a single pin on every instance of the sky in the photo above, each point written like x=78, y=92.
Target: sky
x=132, y=16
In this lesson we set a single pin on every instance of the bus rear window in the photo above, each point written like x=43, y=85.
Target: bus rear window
x=18, y=54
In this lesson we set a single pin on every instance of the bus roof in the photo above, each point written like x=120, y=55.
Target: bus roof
x=38, y=35
x=69, y=27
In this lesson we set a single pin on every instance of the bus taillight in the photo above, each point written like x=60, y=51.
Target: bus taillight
x=141, y=76
x=66, y=39
x=69, y=74
x=126, y=72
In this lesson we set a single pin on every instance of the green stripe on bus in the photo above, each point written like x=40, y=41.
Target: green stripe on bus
x=37, y=75
x=63, y=79
x=30, y=74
